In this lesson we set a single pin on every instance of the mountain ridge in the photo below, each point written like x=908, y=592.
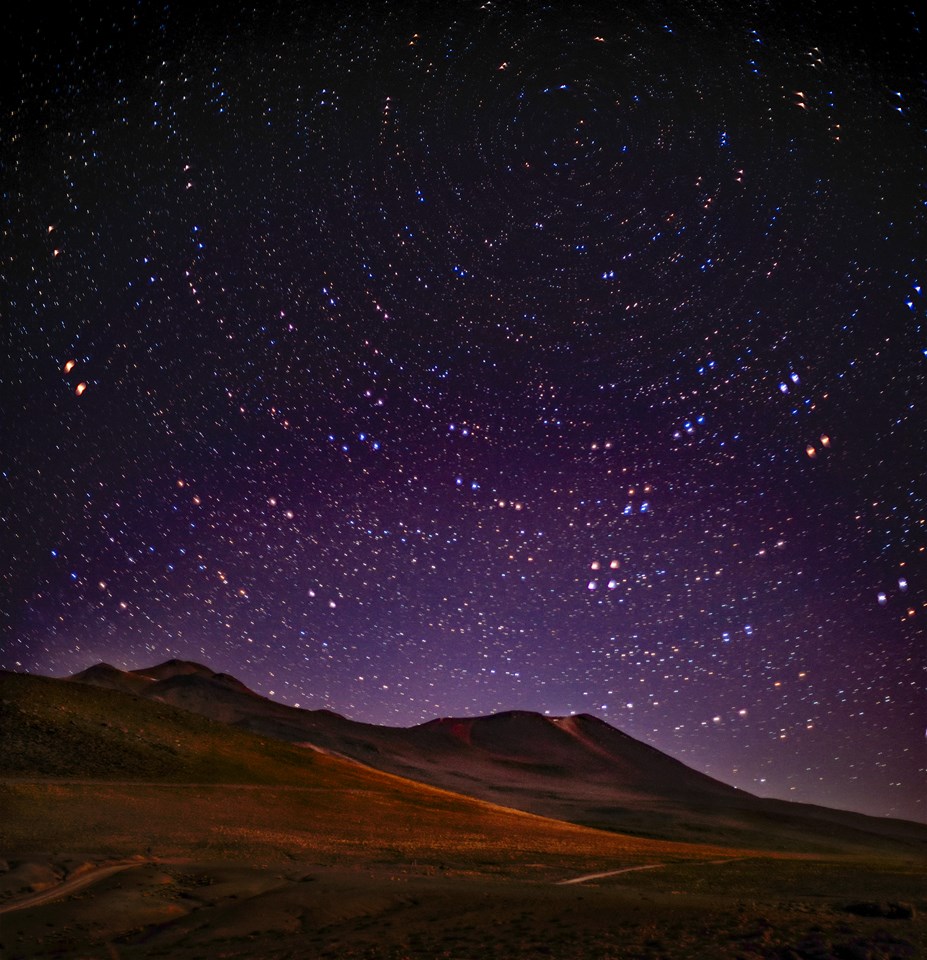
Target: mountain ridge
x=576, y=768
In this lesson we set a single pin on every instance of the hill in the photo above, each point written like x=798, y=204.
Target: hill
x=135, y=828
x=578, y=768
x=93, y=768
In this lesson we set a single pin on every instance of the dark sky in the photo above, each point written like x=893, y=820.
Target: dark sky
x=429, y=359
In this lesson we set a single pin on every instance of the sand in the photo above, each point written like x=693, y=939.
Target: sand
x=130, y=829
x=188, y=909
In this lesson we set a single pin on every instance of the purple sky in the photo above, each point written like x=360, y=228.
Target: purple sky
x=494, y=356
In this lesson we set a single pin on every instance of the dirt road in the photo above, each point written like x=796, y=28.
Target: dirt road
x=614, y=873
x=69, y=886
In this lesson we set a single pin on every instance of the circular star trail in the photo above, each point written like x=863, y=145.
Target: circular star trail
x=410, y=362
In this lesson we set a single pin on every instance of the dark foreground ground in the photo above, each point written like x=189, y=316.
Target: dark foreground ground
x=131, y=829
x=752, y=908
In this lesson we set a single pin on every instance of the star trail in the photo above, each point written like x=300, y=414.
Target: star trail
x=412, y=360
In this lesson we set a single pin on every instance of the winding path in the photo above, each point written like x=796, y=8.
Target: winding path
x=71, y=885
x=68, y=886
x=614, y=873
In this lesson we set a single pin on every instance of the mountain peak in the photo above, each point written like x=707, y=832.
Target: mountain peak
x=97, y=670
x=174, y=668
x=106, y=675
x=186, y=677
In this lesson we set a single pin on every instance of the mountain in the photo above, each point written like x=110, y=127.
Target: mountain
x=578, y=768
x=90, y=769
x=107, y=676
x=176, y=668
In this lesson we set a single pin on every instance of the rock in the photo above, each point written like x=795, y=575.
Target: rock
x=902, y=911
x=853, y=951
x=881, y=947
x=873, y=908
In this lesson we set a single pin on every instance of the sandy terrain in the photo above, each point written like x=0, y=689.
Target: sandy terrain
x=188, y=909
x=130, y=829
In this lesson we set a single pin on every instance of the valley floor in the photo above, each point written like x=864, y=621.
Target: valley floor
x=188, y=909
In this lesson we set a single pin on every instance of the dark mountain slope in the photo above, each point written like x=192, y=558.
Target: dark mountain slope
x=577, y=768
x=107, y=676
x=91, y=769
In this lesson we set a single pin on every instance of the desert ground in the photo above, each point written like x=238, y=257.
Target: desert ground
x=199, y=908
x=132, y=829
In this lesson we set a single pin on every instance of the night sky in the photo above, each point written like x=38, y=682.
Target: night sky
x=413, y=360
